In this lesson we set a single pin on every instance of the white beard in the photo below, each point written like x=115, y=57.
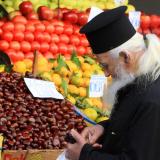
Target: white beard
x=123, y=78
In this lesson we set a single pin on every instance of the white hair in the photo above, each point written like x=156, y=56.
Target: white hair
x=149, y=62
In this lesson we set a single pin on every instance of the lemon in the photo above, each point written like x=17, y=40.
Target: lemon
x=86, y=82
x=46, y=76
x=71, y=99
x=100, y=119
x=28, y=63
x=86, y=67
x=81, y=59
x=2, y=68
x=87, y=73
x=73, y=89
x=78, y=73
x=72, y=66
x=20, y=67
x=42, y=64
x=97, y=102
x=63, y=71
x=130, y=8
x=82, y=92
x=91, y=113
x=56, y=79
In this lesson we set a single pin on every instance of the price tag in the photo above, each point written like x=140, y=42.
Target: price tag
x=134, y=17
x=42, y=89
x=96, y=86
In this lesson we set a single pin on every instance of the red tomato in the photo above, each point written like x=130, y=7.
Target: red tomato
x=50, y=28
x=156, y=31
x=1, y=23
x=48, y=55
x=28, y=36
x=8, y=36
x=19, y=27
x=25, y=46
x=38, y=36
x=18, y=36
x=59, y=29
x=55, y=38
x=1, y=32
x=4, y=45
x=26, y=7
x=155, y=21
x=81, y=50
x=71, y=48
x=8, y=26
x=30, y=27
x=29, y=55
x=20, y=19
x=40, y=27
x=146, y=31
x=68, y=30
x=44, y=47
x=145, y=22
x=15, y=56
x=89, y=50
x=34, y=21
x=84, y=42
x=62, y=48
x=57, y=22
x=64, y=38
x=74, y=40
x=35, y=46
x=32, y=16
x=76, y=30
x=19, y=55
x=14, y=45
x=47, y=37
x=45, y=22
x=53, y=48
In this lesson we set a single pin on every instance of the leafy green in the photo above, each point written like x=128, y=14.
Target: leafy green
x=75, y=59
x=61, y=63
x=89, y=60
x=8, y=68
x=64, y=85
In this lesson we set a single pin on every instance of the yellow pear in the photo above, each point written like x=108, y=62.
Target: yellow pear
x=56, y=79
x=20, y=67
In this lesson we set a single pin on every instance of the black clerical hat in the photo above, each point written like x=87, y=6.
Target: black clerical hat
x=108, y=30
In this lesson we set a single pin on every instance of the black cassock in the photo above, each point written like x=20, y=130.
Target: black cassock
x=133, y=131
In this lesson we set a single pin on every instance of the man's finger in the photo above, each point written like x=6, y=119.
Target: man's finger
x=76, y=135
x=96, y=145
x=85, y=133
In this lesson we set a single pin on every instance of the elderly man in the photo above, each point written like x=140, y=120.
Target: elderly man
x=133, y=130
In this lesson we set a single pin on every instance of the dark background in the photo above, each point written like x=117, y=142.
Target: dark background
x=148, y=6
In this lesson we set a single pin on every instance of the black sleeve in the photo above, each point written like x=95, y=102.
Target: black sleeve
x=143, y=138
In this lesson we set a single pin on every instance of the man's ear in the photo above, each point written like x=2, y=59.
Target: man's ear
x=125, y=57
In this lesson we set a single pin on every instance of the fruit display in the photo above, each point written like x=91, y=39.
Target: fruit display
x=150, y=24
x=71, y=77
x=80, y=5
x=27, y=122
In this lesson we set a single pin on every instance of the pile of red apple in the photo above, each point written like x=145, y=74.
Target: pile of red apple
x=27, y=31
x=150, y=24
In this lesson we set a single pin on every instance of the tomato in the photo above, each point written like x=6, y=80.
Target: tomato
x=40, y=27
x=18, y=36
x=30, y=27
x=1, y=23
x=8, y=36
x=14, y=45
x=81, y=50
x=34, y=21
x=57, y=22
x=44, y=47
x=35, y=46
x=146, y=31
x=64, y=38
x=20, y=19
x=156, y=31
x=1, y=32
x=4, y=45
x=76, y=30
x=8, y=26
x=55, y=38
x=71, y=48
x=26, y=7
x=53, y=48
x=38, y=36
x=62, y=48
x=29, y=55
x=25, y=46
x=145, y=22
x=68, y=30
x=74, y=40
x=59, y=29
x=50, y=28
x=45, y=22
x=89, y=50
x=19, y=56
x=15, y=55
x=28, y=36
x=47, y=37
x=48, y=55
x=19, y=27
x=84, y=42
x=32, y=16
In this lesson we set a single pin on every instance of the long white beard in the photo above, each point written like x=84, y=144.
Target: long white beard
x=123, y=78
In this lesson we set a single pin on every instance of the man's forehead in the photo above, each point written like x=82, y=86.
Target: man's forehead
x=103, y=56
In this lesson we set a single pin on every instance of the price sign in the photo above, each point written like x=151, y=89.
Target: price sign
x=42, y=89
x=96, y=86
x=134, y=17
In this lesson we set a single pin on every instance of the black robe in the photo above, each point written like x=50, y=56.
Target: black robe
x=133, y=131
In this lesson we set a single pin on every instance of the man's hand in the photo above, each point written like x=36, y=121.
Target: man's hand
x=92, y=134
x=73, y=150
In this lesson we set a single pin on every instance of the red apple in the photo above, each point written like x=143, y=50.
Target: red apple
x=32, y=16
x=26, y=7
x=45, y=13
x=57, y=14
x=82, y=18
x=71, y=16
x=145, y=22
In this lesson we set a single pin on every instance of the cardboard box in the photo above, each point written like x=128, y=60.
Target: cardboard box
x=31, y=154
